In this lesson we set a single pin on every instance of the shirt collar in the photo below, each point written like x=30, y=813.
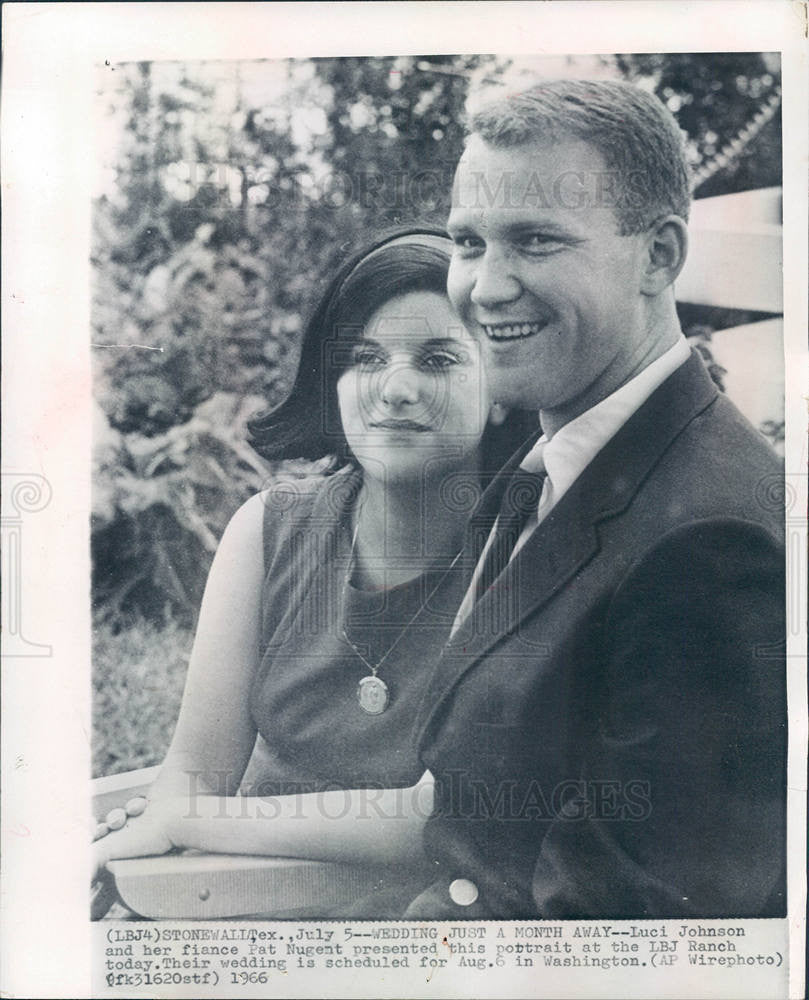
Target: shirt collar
x=568, y=453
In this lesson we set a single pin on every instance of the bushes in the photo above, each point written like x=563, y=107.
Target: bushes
x=160, y=505
x=137, y=687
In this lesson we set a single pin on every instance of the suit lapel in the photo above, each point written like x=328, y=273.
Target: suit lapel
x=568, y=537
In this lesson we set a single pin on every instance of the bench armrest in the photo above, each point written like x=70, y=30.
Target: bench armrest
x=117, y=789
x=197, y=886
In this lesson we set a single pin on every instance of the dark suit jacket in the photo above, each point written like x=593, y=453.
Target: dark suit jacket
x=608, y=729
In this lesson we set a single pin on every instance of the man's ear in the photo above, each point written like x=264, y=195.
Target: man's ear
x=666, y=248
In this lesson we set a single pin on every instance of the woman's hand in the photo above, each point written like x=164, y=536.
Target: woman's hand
x=122, y=835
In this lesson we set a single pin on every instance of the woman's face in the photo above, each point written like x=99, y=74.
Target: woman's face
x=415, y=400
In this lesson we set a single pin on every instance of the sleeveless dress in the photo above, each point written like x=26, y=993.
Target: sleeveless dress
x=313, y=734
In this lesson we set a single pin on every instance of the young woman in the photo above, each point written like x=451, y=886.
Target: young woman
x=330, y=597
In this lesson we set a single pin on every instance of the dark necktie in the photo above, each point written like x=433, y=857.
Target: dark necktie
x=520, y=501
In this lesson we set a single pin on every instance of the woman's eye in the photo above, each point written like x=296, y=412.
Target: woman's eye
x=366, y=358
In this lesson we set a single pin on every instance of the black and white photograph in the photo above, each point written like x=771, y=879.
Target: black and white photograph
x=272, y=252
x=443, y=535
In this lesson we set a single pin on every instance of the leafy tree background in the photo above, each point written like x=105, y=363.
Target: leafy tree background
x=227, y=193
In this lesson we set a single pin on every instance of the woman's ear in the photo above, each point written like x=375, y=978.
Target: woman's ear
x=497, y=414
x=667, y=247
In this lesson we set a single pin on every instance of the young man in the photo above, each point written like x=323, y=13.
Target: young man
x=607, y=726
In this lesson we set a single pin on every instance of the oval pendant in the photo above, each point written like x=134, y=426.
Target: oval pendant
x=373, y=695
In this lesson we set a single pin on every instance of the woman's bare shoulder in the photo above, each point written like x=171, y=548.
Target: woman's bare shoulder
x=248, y=519
x=282, y=494
x=268, y=516
x=241, y=542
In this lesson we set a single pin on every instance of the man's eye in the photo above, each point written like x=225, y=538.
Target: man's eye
x=466, y=243
x=440, y=359
x=540, y=243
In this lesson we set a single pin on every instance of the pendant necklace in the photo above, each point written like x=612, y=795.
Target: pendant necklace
x=373, y=693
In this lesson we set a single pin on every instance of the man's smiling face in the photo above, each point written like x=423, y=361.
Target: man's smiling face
x=541, y=275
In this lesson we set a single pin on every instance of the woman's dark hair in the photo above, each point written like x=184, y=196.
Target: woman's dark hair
x=307, y=424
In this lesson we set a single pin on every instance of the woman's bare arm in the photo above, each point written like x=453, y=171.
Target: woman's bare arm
x=365, y=826
x=215, y=733
x=371, y=826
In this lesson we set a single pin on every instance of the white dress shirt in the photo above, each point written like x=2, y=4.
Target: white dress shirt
x=571, y=449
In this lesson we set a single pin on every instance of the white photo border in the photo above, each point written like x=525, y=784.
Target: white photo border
x=51, y=52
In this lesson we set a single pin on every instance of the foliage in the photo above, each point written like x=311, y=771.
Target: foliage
x=137, y=696
x=161, y=503
x=714, y=97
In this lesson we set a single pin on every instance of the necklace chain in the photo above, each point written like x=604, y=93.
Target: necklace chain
x=373, y=683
